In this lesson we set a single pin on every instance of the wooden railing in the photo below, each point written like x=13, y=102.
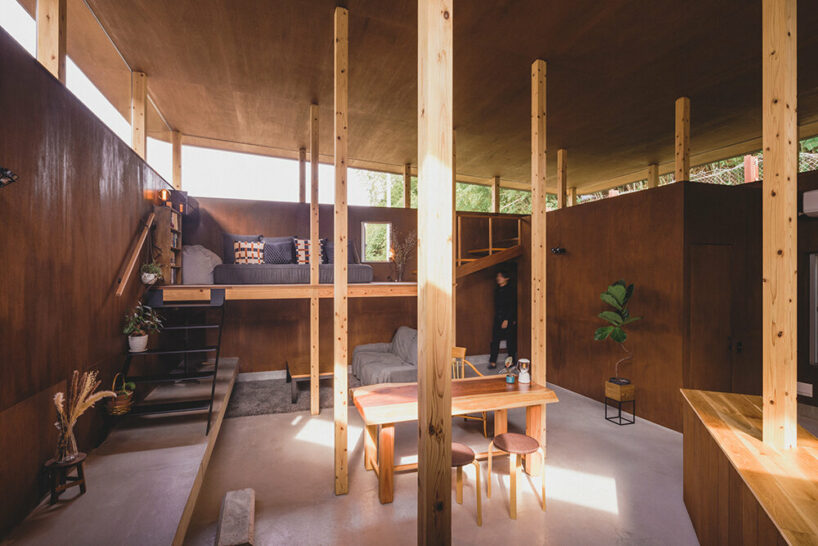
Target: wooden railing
x=136, y=248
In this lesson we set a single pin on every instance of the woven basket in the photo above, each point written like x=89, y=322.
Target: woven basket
x=122, y=402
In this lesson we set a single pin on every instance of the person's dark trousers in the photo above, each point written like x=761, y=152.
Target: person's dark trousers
x=498, y=334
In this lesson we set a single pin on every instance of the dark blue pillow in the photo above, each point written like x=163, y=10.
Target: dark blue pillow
x=278, y=250
x=352, y=253
x=229, y=256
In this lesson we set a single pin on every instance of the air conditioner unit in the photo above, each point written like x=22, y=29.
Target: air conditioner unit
x=811, y=203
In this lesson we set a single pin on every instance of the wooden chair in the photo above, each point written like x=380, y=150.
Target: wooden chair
x=461, y=456
x=517, y=446
x=459, y=364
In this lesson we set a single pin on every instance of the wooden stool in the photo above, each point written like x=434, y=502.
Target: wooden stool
x=461, y=456
x=517, y=446
x=58, y=478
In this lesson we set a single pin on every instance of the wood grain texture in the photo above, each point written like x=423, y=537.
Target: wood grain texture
x=562, y=178
x=176, y=159
x=653, y=175
x=52, y=16
x=682, y=148
x=435, y=275
x=765, y=495
x=68, y=161
x=315, y=235
x=407, y=185
x=139, y=105
x=302, y=172
x=495, y=194
x=779, y=225
x=572, y=196
x=340, y=296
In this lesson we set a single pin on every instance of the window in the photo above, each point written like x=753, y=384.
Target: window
x=375, y=238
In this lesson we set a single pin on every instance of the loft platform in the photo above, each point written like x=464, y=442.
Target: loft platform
x=177, y=293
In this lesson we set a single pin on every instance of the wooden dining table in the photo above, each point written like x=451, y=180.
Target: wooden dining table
x=382, y=406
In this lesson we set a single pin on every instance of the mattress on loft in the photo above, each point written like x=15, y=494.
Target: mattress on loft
x=285, y=273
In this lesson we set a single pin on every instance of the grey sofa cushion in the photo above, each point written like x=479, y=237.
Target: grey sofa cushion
x=285, y=273
x=198, y=263
x=362, y=352
x=383, y=367
x=405, y=345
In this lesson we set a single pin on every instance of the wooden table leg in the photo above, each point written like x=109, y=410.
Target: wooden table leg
x=386, y=463
x=535, y=427
x=369, y=445
x=500, y=421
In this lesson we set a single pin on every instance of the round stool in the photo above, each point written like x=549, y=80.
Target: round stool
x=517, y=446
x=58, y=478
x=461, y=456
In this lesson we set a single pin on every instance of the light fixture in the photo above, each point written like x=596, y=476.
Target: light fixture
x=7, y=176
x=164, y=195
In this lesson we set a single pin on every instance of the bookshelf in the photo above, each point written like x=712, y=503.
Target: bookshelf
x=168, y=242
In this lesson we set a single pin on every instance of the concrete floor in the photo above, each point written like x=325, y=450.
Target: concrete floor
x=605, y=484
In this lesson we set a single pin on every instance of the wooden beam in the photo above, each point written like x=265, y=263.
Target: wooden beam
x=454, y=233
x=538, y=243
x=495, y=194
x=682, y=154
x=139, y=105
x=176, y=159
x=572, y=196
x=435, y=216
x=779, y=223
x=315, y=242
x=302, y=173
x=407, y=185
x=341, y=237
x=750, y=168
x=562, y=178
x=51, y=36
x=653, y=175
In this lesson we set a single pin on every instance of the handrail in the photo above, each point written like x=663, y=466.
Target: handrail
x=491, y=216
x=136, y=248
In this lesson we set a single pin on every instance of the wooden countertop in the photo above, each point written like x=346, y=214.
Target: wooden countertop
x=785, y=482
x=398, y=402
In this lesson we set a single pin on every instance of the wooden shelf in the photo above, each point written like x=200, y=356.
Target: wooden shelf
x=286, y=291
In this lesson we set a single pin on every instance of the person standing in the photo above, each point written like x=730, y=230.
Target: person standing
x=504, y=326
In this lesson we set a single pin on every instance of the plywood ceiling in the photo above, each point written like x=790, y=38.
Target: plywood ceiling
x=246, y=72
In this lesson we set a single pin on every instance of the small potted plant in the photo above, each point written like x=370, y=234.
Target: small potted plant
x=151, y=273
x=617, y=297
x=141, y=321
x=122, y=401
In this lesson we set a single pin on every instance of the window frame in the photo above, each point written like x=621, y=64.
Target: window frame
x=363, y=241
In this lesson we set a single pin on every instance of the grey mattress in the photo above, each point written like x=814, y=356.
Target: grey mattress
x=284, y=273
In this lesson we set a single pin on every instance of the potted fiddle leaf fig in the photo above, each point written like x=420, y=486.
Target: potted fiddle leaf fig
x=617, y=297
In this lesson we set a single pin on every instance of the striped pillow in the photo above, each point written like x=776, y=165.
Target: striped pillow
x=302, y=251
x=249, y=252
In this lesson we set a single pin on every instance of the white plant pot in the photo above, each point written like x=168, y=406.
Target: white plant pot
x=138, y=344
x=149, y=278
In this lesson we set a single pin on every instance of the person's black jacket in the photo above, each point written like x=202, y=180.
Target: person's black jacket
x=505, y=303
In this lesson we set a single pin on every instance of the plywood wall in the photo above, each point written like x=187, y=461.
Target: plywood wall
x=67, y=225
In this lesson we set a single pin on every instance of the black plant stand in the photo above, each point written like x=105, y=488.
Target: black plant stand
x=617, y=417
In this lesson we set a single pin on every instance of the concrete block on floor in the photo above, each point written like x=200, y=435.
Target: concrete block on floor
x=237, y=518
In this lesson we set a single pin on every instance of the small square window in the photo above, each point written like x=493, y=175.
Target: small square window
x=375, y=239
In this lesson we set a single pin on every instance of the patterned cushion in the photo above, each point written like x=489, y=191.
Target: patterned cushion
x=228, y=252
x=278, y=251
x=247, y=252
x=302, y=251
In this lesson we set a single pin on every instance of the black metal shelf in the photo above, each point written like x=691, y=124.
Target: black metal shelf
x=208, y=349
x=191, y=327
x=171, y=377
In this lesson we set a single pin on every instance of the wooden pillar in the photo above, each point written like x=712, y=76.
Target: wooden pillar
x=139, y=105
x=495, y=195
x=315, y=243
x=176, y=158
x=435, y=276
x=407, y=185
x=682, y=139
x=454, y=234
x=302, y=171
x=562, y=177
x=750, y=168
x=51, y=37
x=572, y=196
x=653, y=175
x=779, y=225
x=535, y=420
x=341, y=237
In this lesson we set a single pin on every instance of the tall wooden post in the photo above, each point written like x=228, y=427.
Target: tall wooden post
x=315, y=243
x=572, y=196
x=682, y=139
x=653, y=175
x=535, y=417
x=435, y=217
x=454, y=234
x=407, y=185
x=139, y=105
x=51, y=37
x=341, y=238
x=302, y=171
x=495, y=194
x=779, y=227
x=176, y=158
x=562, y=177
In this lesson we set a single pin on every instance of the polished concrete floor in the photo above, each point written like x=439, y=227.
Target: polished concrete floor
x=605, y=484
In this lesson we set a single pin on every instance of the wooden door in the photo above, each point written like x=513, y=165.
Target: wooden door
x=710, y=332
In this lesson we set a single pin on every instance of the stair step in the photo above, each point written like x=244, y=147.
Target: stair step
x=208, y=349
x=163, y=378
x=486, y=250
x=237, y=519
x=170, y=407
x=191, y=327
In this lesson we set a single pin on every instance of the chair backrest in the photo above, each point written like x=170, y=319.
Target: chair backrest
x=459, y=363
